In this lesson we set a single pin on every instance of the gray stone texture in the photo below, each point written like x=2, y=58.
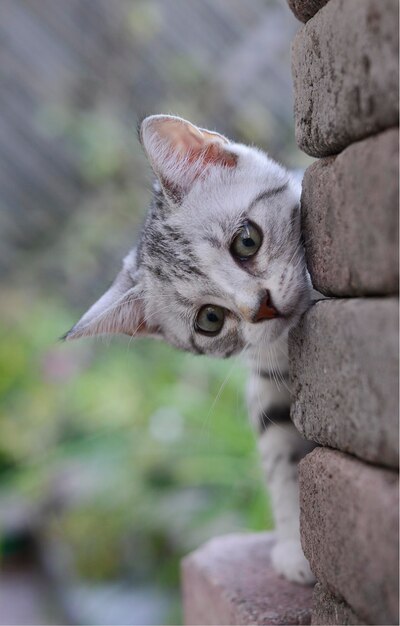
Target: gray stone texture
x=344, y=373
x=230, y=580
x=349, y=529
x=328, y=610
x=345, y=73
x=306, y=9
x=350, y=218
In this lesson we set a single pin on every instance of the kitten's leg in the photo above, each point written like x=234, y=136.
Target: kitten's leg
x=281, y=448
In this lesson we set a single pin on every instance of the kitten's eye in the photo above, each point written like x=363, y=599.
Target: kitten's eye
x=210, y=319
x=247, y=241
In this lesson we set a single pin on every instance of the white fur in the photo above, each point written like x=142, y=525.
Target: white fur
x=277, y=444
x=289, y=561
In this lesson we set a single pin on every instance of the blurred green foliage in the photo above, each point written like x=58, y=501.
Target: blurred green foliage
x=138, y=453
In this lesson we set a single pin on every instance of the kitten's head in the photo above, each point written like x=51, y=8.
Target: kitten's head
x=219, y=265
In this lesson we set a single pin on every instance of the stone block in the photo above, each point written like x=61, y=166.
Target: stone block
x=331, y=611
x=350, y=218
x=305, y=9
x=344, y=373
x=349, y=525
x=345, y=73
x=230, y=580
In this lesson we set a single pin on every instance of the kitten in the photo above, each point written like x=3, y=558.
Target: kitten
x=219, y=269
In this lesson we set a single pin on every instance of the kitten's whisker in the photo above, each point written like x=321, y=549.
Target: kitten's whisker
x=257, y=372
x=299, y=261
x=297, y=250
x=262, y=409
x=271, y=365
x=223, y=384
x=278, y=369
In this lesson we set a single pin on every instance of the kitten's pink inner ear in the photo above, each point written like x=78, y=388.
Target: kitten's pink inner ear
x=191, y=143
x=214, y=153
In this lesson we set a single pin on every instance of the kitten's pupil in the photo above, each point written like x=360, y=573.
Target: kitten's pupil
x=248, y=242
x=212, y=317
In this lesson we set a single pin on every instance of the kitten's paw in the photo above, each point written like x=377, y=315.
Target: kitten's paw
x=289, y=561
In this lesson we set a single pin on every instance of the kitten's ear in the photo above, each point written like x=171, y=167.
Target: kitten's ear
x=119, y=310
x=180, y=152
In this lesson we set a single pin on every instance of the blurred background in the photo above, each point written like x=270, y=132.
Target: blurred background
x=116, y=457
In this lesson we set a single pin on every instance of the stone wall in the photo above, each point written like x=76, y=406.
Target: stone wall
x=344, y=354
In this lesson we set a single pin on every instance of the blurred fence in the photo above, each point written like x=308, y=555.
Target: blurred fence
x=75, y=76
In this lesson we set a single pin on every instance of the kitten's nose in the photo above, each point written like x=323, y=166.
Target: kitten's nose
x=266, y=309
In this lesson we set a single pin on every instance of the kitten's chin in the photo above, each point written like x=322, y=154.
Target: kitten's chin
x=268, y=332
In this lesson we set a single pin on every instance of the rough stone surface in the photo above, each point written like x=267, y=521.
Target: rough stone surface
x=349, y=525
x=331, y=611
x=230, y=580
x=350, y=218
x=305, y=9
x=345, y=73
x=344, y=372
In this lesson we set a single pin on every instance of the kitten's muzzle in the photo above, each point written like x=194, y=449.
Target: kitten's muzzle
x=266, y=309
